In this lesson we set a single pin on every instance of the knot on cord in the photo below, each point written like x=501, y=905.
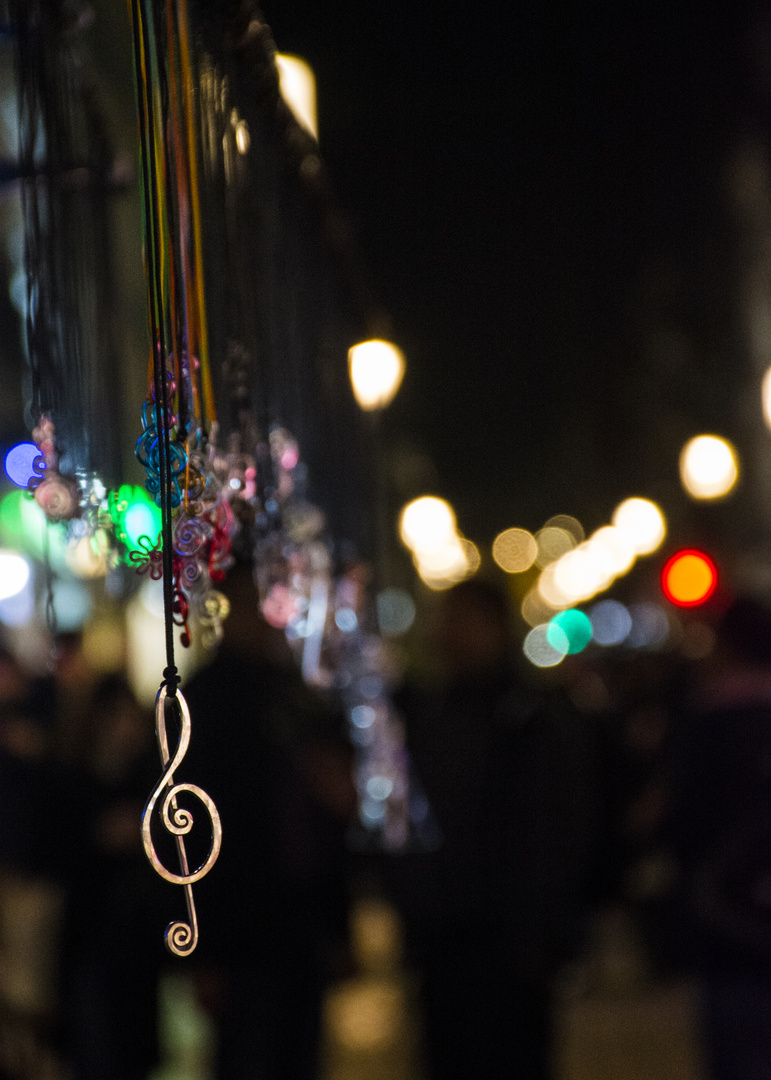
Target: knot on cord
x=171, y=679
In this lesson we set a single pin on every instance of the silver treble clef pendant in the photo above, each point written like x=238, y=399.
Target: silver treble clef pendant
x=181, y=937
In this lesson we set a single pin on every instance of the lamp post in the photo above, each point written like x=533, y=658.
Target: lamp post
x=376, y=370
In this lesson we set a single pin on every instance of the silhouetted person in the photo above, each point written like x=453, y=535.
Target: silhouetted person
x=273, y=758
x=722, y=833
x=493, y=913
x=112, y=946
x=30, y=797
x=25, y=771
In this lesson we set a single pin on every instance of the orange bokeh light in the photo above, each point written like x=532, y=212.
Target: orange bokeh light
x=689, y=578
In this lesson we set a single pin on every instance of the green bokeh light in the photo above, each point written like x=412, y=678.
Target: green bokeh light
x=23, y=526
x=141, y=521
x=11, y=526
x=134, y=514
x=575, y=626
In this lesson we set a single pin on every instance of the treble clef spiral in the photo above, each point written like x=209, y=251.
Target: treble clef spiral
x=181, y=937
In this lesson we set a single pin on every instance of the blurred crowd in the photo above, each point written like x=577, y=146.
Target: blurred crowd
x=636, y=781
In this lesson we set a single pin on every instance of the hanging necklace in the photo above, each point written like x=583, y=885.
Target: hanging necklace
x=166, y=461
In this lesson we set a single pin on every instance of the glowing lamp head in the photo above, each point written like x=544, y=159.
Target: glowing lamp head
x=376, y=369
x=297, y=85
x=689, y=578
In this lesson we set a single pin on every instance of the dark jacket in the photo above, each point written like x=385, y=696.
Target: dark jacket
x=512, y=782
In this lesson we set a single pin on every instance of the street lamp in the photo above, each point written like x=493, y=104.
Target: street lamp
x=376, y=369
x=297, y=84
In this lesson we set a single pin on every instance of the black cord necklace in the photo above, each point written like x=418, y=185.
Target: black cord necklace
x=181, y=937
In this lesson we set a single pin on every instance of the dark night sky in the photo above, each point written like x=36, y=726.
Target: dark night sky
x=512, y=178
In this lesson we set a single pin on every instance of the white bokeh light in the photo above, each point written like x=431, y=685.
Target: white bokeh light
x=546, y=645
x=583, y=572
x=427, y=522
x=708, y=467
x=619, y=551
x=642, y=523
x=551, y=591
x=14, y=574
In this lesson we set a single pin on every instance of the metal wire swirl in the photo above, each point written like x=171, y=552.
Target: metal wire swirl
x=189, y=536
x=181, y=938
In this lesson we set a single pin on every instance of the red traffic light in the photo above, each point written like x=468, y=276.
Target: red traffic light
x=689, y=578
